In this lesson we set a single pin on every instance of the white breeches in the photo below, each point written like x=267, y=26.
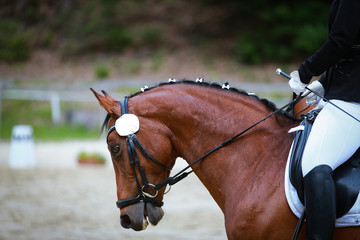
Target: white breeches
x=334, y=137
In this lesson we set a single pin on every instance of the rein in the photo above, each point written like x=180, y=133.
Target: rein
x=132, y=142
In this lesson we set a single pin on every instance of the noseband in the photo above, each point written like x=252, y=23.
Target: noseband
x=147, y=191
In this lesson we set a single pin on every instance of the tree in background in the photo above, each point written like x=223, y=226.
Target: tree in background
x=251, y=31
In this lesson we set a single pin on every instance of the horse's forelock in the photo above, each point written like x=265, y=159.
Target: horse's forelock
x=105, y=124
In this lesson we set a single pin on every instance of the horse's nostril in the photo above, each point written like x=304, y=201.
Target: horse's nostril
x=125, y=221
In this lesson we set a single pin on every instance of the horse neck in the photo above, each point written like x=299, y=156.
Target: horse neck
x=201, y=119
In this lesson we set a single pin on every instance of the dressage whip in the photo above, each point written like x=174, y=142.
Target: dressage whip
x=280, y=72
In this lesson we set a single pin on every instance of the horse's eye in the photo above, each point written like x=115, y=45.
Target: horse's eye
x=115, y=149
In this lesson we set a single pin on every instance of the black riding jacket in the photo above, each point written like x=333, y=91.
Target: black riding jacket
x=339, y=57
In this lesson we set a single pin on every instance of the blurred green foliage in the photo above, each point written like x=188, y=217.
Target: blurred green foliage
x=284, y=31
x=13, y=42
x=149, y=35
x=93, y=157
x=157, y=61
x=102, y=72
x=255, y=30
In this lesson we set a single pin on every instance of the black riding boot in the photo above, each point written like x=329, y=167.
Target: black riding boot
x=320, y=203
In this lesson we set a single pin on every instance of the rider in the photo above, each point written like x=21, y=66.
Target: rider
x=335, y=136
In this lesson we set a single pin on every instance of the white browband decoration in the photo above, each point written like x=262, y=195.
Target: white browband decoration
x=127, y=124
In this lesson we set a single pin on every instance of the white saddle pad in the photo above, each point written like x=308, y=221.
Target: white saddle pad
x=352, y=218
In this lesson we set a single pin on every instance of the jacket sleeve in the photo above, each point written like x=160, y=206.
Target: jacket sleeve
x=344, y=32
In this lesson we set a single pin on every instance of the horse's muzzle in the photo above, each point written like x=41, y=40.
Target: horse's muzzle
x=139, y=215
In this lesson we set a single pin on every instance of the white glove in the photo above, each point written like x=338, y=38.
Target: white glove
x=295, y=83
x=311, y=97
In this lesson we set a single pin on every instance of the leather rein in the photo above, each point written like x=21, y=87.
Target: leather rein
x=148, y=191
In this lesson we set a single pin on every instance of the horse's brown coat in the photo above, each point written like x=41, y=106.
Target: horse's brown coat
x=245, y=178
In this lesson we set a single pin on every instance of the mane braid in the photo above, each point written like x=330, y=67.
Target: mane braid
x=214, y=85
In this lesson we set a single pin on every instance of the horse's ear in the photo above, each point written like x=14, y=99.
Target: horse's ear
x=111, y=105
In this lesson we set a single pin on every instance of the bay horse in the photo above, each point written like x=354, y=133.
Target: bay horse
x=187, y=119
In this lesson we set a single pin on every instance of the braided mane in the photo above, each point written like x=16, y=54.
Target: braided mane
x=215, y=85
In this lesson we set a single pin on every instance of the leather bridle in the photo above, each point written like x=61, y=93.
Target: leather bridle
x=143, y=190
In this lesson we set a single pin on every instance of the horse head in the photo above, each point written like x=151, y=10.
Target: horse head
x=130, y=138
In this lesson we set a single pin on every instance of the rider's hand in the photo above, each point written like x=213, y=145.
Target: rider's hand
x=295, y=83
x=311, y=97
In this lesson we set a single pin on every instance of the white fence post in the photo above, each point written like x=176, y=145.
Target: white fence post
x=55, y=108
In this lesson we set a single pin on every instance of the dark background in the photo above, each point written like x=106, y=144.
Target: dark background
x=250, y=31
